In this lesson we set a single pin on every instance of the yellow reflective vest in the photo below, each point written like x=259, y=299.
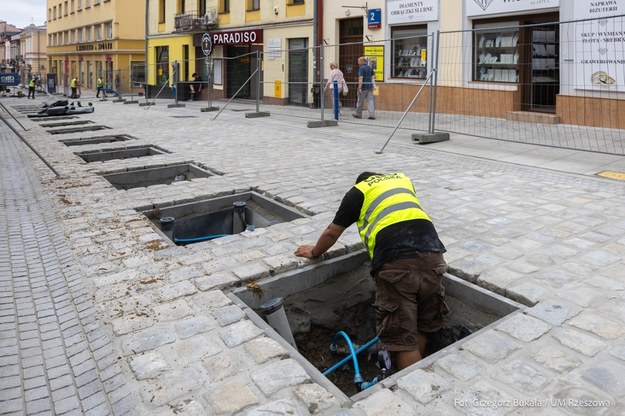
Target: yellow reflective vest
x=100, y=83
x=389, y=199
x=32, y=83
x=72, y=84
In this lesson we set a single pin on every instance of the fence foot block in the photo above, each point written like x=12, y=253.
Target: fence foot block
x=322, y=123
x=425, y=138
x=145, y=104
x=131, y=102
x=257, y=114
x=118, y=101
x=175, y=105
x=208, y=109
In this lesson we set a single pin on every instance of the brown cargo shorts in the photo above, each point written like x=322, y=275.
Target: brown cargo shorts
x=410, y=298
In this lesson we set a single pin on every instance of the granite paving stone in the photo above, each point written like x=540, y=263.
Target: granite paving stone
x=108, y=318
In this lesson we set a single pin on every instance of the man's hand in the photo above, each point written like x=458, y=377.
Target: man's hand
x=305, y=251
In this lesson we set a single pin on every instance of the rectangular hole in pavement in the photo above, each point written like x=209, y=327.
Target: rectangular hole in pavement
x=199, y=221
x=120, y=153
x=337, y=295
x=162, y=175
x=97, y=139
x=37, y=118
x=69, y=130
x=67, y=123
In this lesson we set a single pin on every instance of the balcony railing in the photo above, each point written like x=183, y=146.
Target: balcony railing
x=192, y=22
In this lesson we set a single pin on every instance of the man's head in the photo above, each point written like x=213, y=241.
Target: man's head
x=365, y=175
x=362, y=60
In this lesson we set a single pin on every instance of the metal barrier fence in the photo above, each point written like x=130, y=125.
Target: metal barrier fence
x=553, y=84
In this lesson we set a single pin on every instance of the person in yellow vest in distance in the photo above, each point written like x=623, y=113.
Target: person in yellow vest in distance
x=407, y=261
x=31, y=88
x=100, y=84
x=73, y=84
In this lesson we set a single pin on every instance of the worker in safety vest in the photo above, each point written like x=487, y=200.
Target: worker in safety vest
x=74, y=86
x=31, y=88
x=406, y=260
x=100, y=84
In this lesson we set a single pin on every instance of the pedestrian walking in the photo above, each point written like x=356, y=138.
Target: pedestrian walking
x=100, y=85
x=365, y=89
x=74, y=86
x=335, y=75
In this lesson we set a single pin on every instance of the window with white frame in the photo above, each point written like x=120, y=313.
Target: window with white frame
x=88, y=34
x=108, y=27
x=98, y=32
x=73, y=6
x=79, y=34
x=79, y=4
x=72, y=35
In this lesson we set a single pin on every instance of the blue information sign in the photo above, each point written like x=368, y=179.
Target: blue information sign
x=374, y=18
x=11, y=79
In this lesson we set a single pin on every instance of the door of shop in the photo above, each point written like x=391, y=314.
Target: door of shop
x=238, y=70
x=298, y=71
x=350, y=39
x=540, y=69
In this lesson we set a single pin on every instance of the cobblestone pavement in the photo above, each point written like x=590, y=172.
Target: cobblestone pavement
x=156, y=331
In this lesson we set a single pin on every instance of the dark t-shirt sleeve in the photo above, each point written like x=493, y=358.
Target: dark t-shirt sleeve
x=349, y=211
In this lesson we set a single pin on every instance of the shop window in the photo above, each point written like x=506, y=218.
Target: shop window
x=496, y=52
x=409, y=51
x=252, y=5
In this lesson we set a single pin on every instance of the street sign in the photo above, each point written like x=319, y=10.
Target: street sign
x=374, y=18
x=10, y=79
x=207, y=44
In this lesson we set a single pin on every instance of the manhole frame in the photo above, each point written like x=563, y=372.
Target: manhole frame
x=192, y=166
x=220, y=202
x=82, y=141
x=347, y=262
x=159, y=151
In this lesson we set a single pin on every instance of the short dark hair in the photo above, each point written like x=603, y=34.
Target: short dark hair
x=365, y=175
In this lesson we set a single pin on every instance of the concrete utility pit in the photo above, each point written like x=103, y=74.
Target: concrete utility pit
x=120, y=153
x=97, y=139
x=67, y=123
x=337, y=295
x=219, y=217
x=77, y=129
x=163, y=175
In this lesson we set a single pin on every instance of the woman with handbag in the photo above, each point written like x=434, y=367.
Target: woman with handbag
x=336, y=75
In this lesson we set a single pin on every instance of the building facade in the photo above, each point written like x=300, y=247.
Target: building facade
x=560, y=60
x=33, y=50
x=240, y=31
x=8, y=62
x=88, y=39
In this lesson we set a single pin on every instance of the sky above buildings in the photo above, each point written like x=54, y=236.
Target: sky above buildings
x=21, y=13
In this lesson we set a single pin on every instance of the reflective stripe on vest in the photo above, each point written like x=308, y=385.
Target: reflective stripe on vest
x=388, y=199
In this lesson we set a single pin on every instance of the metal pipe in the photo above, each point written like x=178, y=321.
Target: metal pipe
x=406, y=112
x=434, y=89
x=13, y=117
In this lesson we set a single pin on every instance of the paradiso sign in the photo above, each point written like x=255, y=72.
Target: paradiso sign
x=238, y=37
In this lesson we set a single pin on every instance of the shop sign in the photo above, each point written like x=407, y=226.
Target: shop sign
x=102, y=46
x=375, y=59
x=599, y=54
x=274, y=48
x=486, y=7
x=374, y=18
x=406, y=11
x=239, y=37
